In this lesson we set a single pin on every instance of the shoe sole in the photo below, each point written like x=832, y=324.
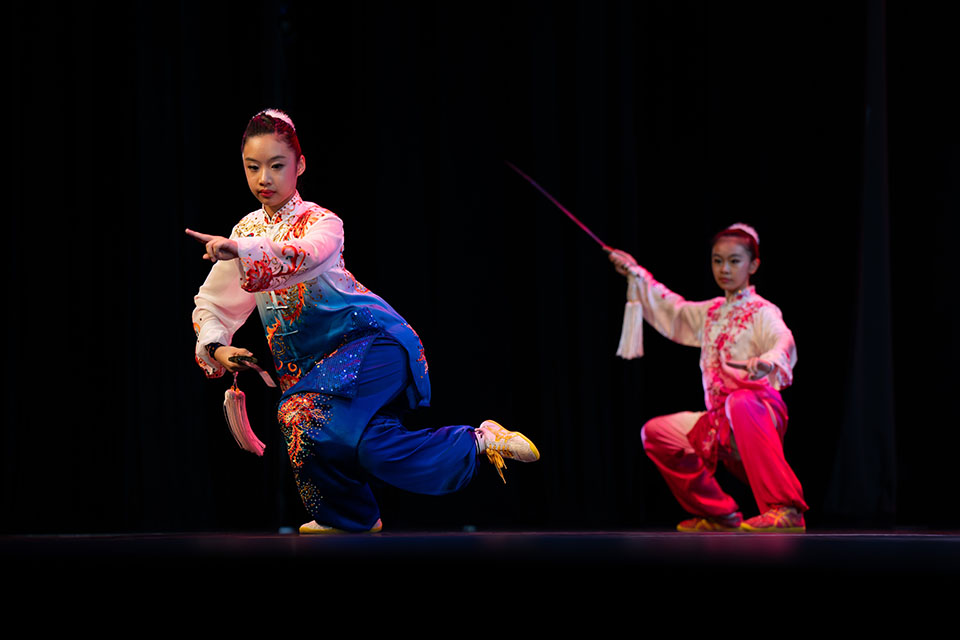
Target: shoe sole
x=695, y=530
x=749, y=529
x=306, y=529
x=711, y=525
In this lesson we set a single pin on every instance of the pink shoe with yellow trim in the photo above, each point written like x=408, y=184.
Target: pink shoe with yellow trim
x=779, y=519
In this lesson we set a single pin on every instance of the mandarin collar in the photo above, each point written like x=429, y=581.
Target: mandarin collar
x=741, y=296
x=284, y=211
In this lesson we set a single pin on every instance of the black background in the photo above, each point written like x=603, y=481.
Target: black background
x=656, y=123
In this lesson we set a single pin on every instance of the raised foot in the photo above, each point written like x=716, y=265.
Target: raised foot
x=499, y=443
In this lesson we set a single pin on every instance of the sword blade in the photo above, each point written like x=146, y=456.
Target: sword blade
x=576, y=220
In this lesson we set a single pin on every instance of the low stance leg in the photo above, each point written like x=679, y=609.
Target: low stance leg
x=330, y=482
x=337, y=443
x=758, y=428
x=691, y=481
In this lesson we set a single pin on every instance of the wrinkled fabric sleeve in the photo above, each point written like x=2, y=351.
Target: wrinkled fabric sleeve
x=667, y=312
x=266, y=265
x=221, y=306
x=775, y=343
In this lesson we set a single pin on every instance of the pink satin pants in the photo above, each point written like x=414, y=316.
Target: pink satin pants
x=753, y=452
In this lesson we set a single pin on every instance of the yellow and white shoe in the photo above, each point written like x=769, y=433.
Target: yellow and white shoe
x=499, y=443
x=312, y=528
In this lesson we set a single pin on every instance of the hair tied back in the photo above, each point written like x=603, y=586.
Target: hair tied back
x=747, y=229
x=279, y=115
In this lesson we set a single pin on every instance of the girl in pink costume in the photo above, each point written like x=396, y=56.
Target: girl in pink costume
x=747, y=355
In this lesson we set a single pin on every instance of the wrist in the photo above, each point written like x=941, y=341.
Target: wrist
x=212, y=349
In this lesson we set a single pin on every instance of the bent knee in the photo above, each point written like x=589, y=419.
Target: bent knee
x=667, y=435
x=656, y=431
x=743, y=399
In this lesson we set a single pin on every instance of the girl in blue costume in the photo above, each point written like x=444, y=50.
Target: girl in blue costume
x=347, y=362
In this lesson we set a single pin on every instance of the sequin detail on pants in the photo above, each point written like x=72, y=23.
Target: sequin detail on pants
x=301, y=418
x=337, y=443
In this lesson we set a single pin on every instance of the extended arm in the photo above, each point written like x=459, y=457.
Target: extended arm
x=221, y=307
x=266, y=264
x=647, y=299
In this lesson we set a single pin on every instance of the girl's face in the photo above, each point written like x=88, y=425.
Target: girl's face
x=732, y=266
x=272, y=170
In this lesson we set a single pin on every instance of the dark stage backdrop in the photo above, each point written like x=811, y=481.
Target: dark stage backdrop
x=657, y=123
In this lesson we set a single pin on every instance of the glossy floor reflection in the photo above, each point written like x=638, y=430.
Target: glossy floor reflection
x=860, y=552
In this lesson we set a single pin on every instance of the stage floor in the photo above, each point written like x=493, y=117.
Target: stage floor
x=837, y=553
x=531, y=581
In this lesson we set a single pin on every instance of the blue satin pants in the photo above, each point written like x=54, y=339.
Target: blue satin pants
x=337, y=444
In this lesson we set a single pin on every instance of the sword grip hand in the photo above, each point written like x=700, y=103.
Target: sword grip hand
x=622, y=260
x=224, y=353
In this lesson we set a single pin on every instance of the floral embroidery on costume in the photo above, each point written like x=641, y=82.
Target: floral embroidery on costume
x=209, y=369
x=745, y=326
x=745, y=418
x=725, y=322
x=268, y=271
x=310, y=304
x=299, y=228
x=422, y=356
x=301, y=415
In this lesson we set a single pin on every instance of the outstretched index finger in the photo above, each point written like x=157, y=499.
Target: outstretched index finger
x=202, y=238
